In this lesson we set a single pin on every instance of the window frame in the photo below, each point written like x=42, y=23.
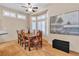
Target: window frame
x=21, y=16
x=35, y=22
x=41, y=20
x=5, y=13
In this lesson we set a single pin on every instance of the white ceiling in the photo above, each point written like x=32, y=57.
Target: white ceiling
x=17, y=6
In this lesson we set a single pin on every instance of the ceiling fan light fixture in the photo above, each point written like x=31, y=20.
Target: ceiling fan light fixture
x=30, y=9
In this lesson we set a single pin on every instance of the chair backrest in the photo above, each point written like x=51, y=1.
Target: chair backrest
x=28, y=31
x=39, y=35
x=23, y=35
x=18, y=34
x=17, y=31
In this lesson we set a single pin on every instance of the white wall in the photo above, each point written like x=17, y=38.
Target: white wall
x=10, y=25
x=55, y=9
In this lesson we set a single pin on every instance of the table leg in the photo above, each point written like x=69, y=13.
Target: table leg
x=29, y=44
x=29, y=49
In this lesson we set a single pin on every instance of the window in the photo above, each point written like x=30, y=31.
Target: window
x=42, y=17
x=34, y=18
x=41, y=25
x=33, y=23
x=6, y=13
x=10, y=14
x=20, y=16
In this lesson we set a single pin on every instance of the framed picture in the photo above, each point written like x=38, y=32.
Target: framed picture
x=67, y=23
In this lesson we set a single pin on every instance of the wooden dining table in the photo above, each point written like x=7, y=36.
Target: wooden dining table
x=30, y=36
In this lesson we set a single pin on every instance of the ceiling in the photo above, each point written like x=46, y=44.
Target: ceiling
x=17, y=6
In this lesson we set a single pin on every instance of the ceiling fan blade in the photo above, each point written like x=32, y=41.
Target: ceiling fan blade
x=35, y=7
x=26, y=10
x=24, y=6
x=33, y=10
x=29, y=3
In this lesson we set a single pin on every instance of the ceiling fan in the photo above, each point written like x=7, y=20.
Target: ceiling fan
x=30, y=8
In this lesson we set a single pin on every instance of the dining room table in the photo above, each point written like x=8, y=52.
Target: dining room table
x=30, y=36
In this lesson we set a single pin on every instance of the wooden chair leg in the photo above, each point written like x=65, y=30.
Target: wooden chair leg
x=18, y=41
x=36, y=47
x=41, y=44
x=22, y=44
x=25, y=46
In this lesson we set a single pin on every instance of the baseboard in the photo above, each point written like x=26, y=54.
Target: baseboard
x=74, y=52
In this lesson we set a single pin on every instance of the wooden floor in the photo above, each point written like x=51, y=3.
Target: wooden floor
x=12, y=48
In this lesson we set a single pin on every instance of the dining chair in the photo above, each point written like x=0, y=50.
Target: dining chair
x=19, y=37
x=37, y=42
x=25, y=39
x=39, y=38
